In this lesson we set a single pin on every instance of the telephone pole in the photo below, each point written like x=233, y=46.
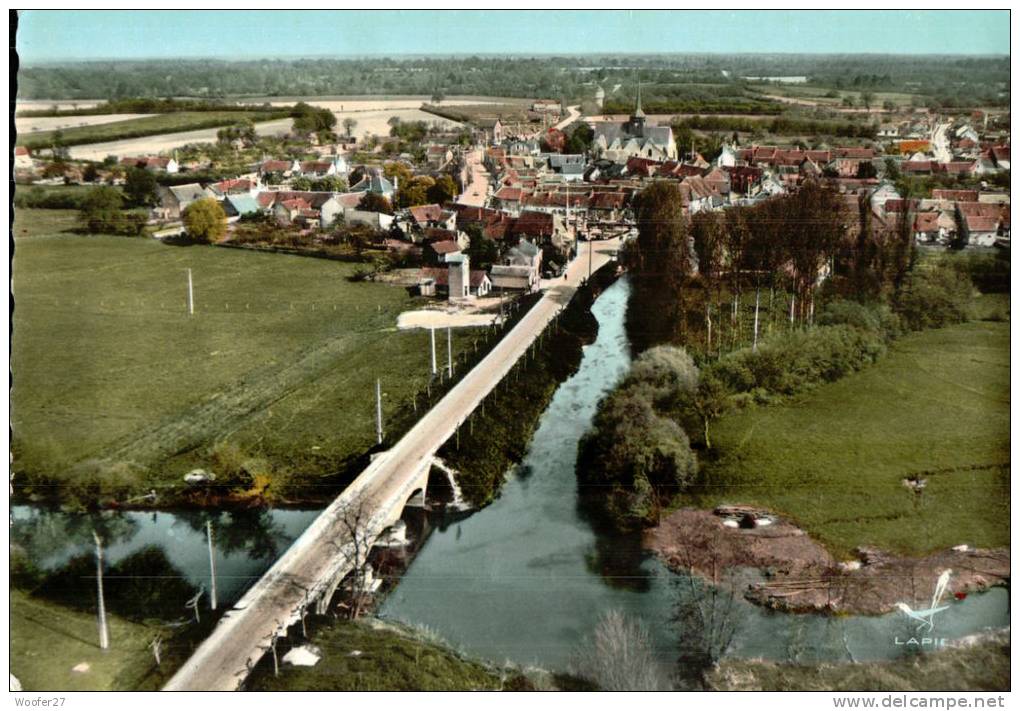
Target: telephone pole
x=212, y=565
x=378, y=411
x=449, y=350
x=432, y=338
x=104, y=634
x=191, y=295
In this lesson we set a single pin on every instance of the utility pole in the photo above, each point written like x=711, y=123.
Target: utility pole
x=191, y=295
x=589, y=258
x=104, y=634
x=432, y=337
x=757, y=297
x=378, y=411
x=212, y=565
x=449, y=350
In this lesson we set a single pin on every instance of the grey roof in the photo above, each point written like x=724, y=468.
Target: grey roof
x=189, y=192
x=611, y=131
x=243, y=204
x=373, y=183
x=561, y=160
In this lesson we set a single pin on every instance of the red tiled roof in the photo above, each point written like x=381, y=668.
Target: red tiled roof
x=445, y=247
x=508, y=193
x=21, y=151
x=983, y=209
x=276, y=166
x=315, y=166
x=955, y=167
x=916, y=166
x=608, y=201
x=423, y=214
x=1000, y=153
x=899, y=205
x=926, y=222
x=977, y=223
x=441, y=275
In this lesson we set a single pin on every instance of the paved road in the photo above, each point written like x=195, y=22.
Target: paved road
x=242, y=636
x=477, y=192
x=572, y=113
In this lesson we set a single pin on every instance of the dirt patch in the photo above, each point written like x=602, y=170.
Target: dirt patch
x=801, y=576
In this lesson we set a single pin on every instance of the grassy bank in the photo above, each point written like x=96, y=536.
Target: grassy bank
x=48, y=640
x=936, y=406
x=148, y=126
x=117, y=390
x=386, y=660
x=981, y=667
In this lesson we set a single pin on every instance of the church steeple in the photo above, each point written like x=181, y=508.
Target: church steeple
x=638, y=113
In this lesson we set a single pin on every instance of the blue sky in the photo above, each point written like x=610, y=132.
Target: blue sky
x=99, y=34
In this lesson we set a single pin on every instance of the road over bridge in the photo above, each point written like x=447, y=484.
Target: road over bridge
x=310, y=570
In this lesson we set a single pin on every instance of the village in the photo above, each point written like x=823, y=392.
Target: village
x=497, y=207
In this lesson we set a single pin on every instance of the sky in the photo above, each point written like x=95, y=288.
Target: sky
x=47, y=35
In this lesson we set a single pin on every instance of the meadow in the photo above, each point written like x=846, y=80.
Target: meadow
x=833, y=460
x=117, y=388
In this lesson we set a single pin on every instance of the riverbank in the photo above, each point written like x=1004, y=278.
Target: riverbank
x=800, y=575
x=981, y=664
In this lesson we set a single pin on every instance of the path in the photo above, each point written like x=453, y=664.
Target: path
x=477, y=191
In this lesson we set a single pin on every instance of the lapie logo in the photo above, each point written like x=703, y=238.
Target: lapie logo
x=926, y=617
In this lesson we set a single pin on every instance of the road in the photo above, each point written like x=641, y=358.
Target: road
x=224, y=659
x=940, y=143
x=573, y=112
x=476, y=193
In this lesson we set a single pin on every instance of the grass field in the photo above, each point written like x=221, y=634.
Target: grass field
x=149, y=126
x=48, y=640
x=280, y=358
x=937, y=405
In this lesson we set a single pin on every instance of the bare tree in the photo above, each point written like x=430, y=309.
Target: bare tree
x=618, y=656
x=353, y=543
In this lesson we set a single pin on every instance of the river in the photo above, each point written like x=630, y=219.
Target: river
x=524, y=579
x=527, y=578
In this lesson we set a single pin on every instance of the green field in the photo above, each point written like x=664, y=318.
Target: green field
x=833, y=460
x=148, y=126
x=48, y=640
x=113, y=379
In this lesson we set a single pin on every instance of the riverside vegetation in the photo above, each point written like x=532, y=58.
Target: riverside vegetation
x=678, y=427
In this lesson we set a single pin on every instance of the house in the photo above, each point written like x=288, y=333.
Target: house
x=542, y=228
x=547, y=106
x=980, y=231
x=23, y=159
x=438, y=156
x=570, y=165
x=457, y=280
x=727, y=157
x=491, y=130
x=240, y=205
x=520, y=269
x=608, y=205
x=954, y=195
x=317, y=169
x=284, y=168
x=1000, y=155
x=619, y=141
x=442, y=252
x=415, y=220
x=926, y=228
x=175, y=199
x=157, y=164
x=236, y=186
x=374, y=182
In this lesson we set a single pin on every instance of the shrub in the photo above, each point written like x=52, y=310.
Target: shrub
x=935, y=298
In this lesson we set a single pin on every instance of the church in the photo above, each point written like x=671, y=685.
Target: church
x=619, y=142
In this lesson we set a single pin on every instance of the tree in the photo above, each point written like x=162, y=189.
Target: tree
x=660, y=264
x=442, y=191
x=301, y=183
x=90, y=174
x=205, y=220
x=310, y=119
x=867, y=97
x=140, y=187
x=414, y=191
x=619, y=656
x=438, y=96
x=374, y=202
x=888, y=105
x=101, y=209
x=349, y=126
x=330, y=184
x=353, y=546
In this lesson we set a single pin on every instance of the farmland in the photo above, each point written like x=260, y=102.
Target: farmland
x=937, y=406
x=116, y=387
x=141, y=127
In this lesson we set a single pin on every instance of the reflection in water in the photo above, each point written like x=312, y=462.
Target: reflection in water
x=527, y=577
x=246, y=542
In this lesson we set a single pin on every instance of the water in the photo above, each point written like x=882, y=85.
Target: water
x=246, y=542
x=527, y=578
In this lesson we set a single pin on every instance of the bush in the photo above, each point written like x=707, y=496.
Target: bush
x=867, y=317
x=796, y=361
x=935, y=298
